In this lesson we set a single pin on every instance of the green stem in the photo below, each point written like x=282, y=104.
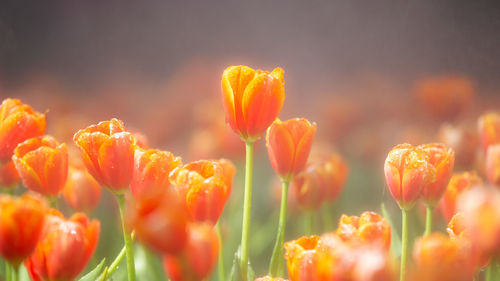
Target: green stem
x=8, y=272
x=129, y=250
x=404, y=246
x=428, y=221
x=327, y=217
x=114, y=265
x=220, y=264
x=15, y=272
x=309, y=222
x=53, y=201
x=489, y=271
x=247, y=205
x=276, y=266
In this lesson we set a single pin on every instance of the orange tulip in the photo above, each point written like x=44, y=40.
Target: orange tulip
x=108, y=153
x=151, y=173
x=302, y=258
x=407, y=171
x=442, y=158
x=439, y=258
x=198, y=258
x=308, y=188
x=42, y=164
x=489, y=130
x=463, y=140
x=369, y=228
x=332, y=170
x=493, y=164
x=160, y=224
x=268, y=278
x=82, y=192
x=18, y=122
x=65, y=248
x=252, y=99
x=21, y=224
x=9, y=177
x=288, y=145
x=457, y=185
x=206, y=186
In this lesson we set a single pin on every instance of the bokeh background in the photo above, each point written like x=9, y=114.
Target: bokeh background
x=372, y=74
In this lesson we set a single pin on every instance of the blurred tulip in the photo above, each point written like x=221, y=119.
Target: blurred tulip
x=108, y=153
x=18, y=122
x=407, y=171
x=463, y=141
x=457, y=185
x=9, y=178
x=439, y=258
x=308, y=188
x=42, y=164
x=206, y=186
x=288, y=146
x=160, y=224
x=151, y=171
x=368, y=229
x=442, y=158
x=332, y=170
x=196, y=261
x=21, y=225
x=492, y=165
x=65, y=248
x=82, y=192
x=252, y=99
x=489, y=130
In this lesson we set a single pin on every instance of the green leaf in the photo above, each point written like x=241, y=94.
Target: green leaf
x=94, y=273
x=236, y=274
x=395, y=238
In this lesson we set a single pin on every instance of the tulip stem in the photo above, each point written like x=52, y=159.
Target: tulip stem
x=247, y=204
x=220, y=264
x=129, y=250
x=428, y=221
x=404, y=245
x=276, y=267
x=309, y=221
x=8, y=272
x=15, y=272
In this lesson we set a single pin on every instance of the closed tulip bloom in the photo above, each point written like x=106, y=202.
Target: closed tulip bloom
x=21, y=225
x=108, y=153
x=197, y=260
x=368, y=229
x=492, y=165
x=442, y=158
x=407, y=171
x=288, y=145
x=252, y=99
x=457, y=185
x=333, y=171
x=9, y=178
x=18, y=122
x=489, y=130
x=65, y=248
x=82, y=192
x=309, y=189
x=151, y=173
x=206, y=186
x=42, y=164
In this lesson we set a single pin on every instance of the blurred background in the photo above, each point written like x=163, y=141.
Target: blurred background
x=372, y=74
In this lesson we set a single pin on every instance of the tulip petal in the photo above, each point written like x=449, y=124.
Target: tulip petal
x=306, y=132
x=281, y=148
x=116, y=160
x=89, y=144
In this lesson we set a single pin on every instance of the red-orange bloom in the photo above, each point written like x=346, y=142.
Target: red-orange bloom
x=108, y=153
x=8, y=176
x=369, y=228
x=82, y=192
x=160, y=224
x=65, y=248
x=151, y=173
x=332, y=170
x=489, y=130
x=18, y=122
x=302, y=258
x=288, y=145
x=308, y=188
x=442, y=158
x=197, y=259
x=42, y=164
x=463, y=140
x=252, y=99
x=492, y=165
x=21, y=224
x=439, y=258
x=457, y=185
x=206, y=186
x=407, y=171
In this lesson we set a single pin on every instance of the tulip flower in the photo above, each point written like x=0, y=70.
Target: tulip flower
x=9, y=177
x=333, y=171
x=198, y=258
x=463, y=141
x=269, y=278
x=457, y=185
x=493, y=164
x=205, y=186
x=302, y=258
x=82, y=192
x=308, y=188
x=489, y=130
x=18, y=122
x=21, y=225
x=65, y=248
x=368, y=229
x=42, y=164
